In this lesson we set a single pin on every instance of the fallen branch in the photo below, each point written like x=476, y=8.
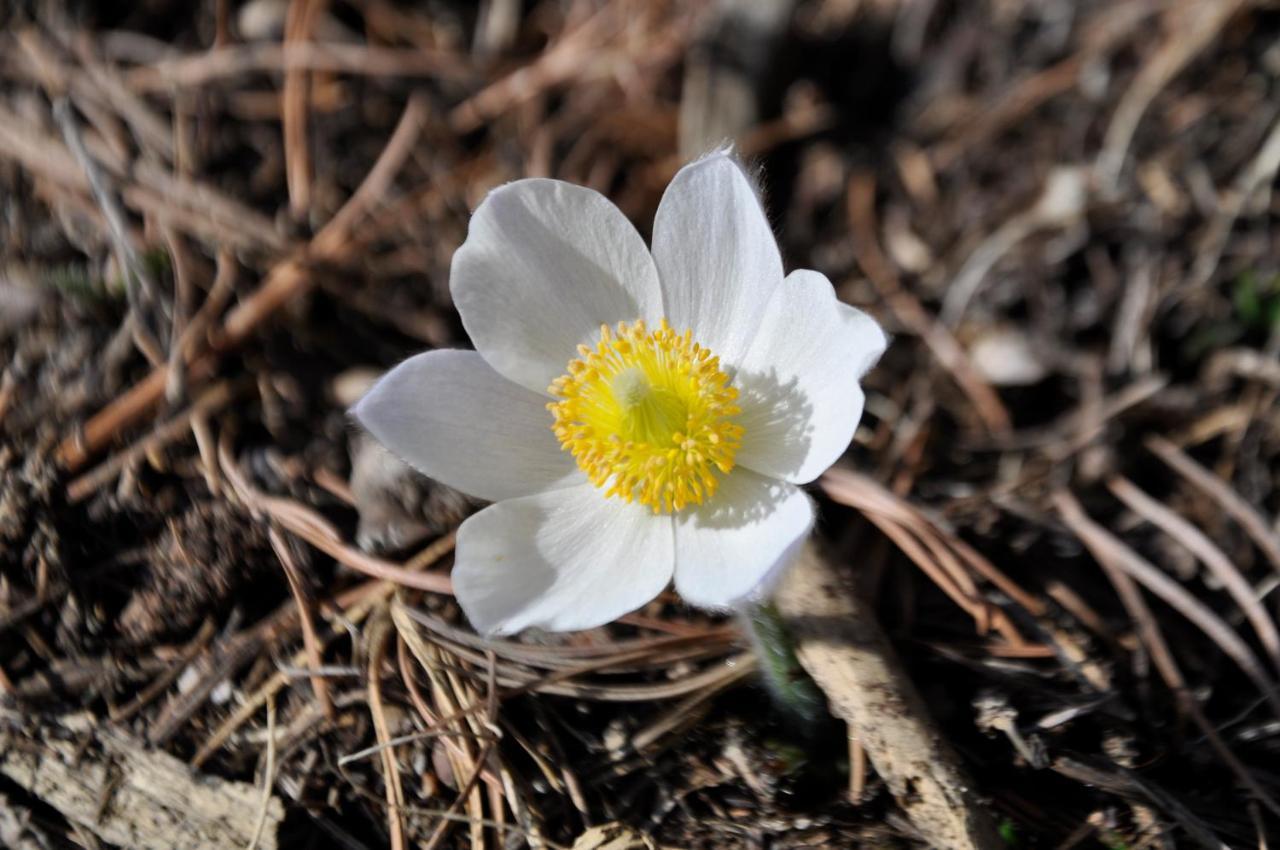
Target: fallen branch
x=840, y=644
x=130, y=796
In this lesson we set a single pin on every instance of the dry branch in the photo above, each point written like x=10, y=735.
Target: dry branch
x=130, y=796
x=839, y=641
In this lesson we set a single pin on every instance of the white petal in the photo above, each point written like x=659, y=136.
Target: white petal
x=733, y=547
x=545, y=263
x=563, y=560
x=871, y=338
x=716, y=256
x=450, y=416
x=799, y=388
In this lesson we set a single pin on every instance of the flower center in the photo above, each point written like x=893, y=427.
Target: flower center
x=648, y=415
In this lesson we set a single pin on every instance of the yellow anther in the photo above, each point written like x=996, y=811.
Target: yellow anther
x=648, y=415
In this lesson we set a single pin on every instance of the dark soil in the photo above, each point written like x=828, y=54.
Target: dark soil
x=1077, y=315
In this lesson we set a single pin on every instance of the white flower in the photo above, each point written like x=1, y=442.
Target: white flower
x=634, y=416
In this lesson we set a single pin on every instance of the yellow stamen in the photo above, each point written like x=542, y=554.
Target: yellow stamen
x=648, y=415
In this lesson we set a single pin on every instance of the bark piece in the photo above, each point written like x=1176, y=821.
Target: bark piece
x=840, y=643
x=130, y=796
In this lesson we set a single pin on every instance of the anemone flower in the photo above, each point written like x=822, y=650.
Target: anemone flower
x=634, y=416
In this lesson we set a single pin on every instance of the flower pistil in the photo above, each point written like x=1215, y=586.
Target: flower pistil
x=648, y=416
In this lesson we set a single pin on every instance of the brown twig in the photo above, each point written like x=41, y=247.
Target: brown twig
x=1212, y=557
x=1149, y=632
x=210, y=401
x=1261, y=171
x=1123, y=558
x=1195, y=25
x=942, y=558
x=162, y=682
x=268, y=776
x=285, y=281
x=377, y=635
x=300, y=21
x=1221, y=494
x=940, y=342
x=200, y=69
x=315, y=656
x=192, y=339
x=175, y=386
x=351, y=607
x=139, y=288
x=987, y=120
x=312, y=527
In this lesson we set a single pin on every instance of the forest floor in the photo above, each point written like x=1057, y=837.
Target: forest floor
x=225, y=617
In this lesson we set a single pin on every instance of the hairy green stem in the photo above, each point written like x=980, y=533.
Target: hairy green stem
x=787, y=681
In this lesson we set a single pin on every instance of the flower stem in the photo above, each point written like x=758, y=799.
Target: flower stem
x=787, y=681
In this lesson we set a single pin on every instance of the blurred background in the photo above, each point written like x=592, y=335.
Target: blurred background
x=225, y=617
